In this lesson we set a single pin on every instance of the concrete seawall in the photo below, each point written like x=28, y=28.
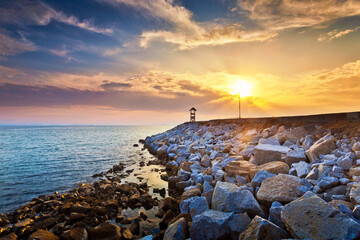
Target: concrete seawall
x=318, y=118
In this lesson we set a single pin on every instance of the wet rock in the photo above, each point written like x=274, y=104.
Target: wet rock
x=177, y=231
x=43, y=235
x=211, y=225
x=45, y=223
x=79, y=233
x=106, y=231
x=265, y=153
x=230, y=198
x=21, y=224
x=275, y=167
x=127, y=235
x=126, y=220
x=313, y=218
x=281, y=188
x=323, y=146
x=260, y=229
x=11, y=236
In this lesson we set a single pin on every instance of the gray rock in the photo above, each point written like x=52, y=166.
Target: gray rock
x=311, y=217
x=238, y=224
x=185, y=175
x=270, y=140
x=260, y=229
x=275, y=214
x=259, y=177
x=328, y=182
x=219, y=176
x=195, y=205
x=281, y=188
x=211, y=225
x=241, y=179
x=265, y=153
x=345, y=163
x=230, y=198
x=356, y=212
x=302, y=169
x=247, y=152
x=313, y=174
x=294, y=156
x=177, y=231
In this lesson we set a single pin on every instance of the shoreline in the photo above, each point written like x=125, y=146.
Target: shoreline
x=212, y=170
x=126, y=196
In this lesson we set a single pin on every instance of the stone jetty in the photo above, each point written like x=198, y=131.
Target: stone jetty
x=260, y=180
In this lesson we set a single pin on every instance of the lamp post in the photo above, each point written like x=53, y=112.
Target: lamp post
x=239, y=105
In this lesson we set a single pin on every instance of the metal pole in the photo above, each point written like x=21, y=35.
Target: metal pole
x=239, y=106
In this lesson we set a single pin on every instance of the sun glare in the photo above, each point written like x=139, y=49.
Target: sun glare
x=241, y=87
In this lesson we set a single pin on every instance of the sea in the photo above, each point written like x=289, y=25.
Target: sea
x=41, y=160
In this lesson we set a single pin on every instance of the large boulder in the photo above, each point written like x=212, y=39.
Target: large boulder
x=311, y=217
x=281, y=188
x=230, y=198
x=265, y=153
x=241, y=168
x=177, y=231
x=323, y=146
x=275, y=167
x=262, y=229
x=211, y=225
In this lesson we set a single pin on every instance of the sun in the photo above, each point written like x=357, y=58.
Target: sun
x=242, y=88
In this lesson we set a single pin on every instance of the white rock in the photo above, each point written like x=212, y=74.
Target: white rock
x=302, y=169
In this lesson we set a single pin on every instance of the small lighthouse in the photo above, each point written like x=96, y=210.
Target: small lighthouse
x=192, y=114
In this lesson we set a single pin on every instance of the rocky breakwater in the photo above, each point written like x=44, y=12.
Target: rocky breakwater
x=93, y=211
x=260, y=181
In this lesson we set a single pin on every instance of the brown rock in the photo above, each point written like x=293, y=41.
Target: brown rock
x=275, y=167
x=127, y=234
x=79, y=233
x=19, y=225
x=11, y=236
x=43, y=235
x=281, y=188
x=241, y=168
x=106, y=231
x=190, y=193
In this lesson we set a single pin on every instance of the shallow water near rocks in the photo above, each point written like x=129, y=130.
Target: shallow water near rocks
x=42, y=160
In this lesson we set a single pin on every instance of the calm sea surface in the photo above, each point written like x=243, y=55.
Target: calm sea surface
x=42, y=160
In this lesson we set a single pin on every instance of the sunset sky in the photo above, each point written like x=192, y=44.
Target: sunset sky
x=150, y=61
